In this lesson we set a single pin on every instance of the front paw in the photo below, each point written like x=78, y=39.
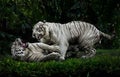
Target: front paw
x=55, y=55
x=62, y=58
x=55, y=48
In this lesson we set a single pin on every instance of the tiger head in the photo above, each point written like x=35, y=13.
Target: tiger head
x=18, y=48
x=40, y=30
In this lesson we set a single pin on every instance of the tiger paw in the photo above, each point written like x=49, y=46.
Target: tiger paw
x=55, y=48
x=55, y=55
x=62, y=59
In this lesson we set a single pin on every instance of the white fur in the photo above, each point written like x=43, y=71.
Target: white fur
x=33, y=52
x=61, y=34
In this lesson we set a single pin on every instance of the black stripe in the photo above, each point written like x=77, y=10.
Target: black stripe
x=73, y=32
x=29, y=49
x=76, y=28
x=28, y=57
x=35, y=46
x=67, y=27
x=80, y=28
x=58, y=24
x=90, y=32
x=84, y=28
x=82, y=31
x=87, y=30
x=38, y=46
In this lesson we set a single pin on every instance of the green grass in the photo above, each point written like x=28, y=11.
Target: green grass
x=106, y=63
x=111, y=52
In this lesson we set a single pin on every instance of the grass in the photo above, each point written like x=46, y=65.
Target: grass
x=111, y=52
x=104, y=64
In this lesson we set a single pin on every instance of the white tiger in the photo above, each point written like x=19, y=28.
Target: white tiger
x=85, y=34
x=32, y=52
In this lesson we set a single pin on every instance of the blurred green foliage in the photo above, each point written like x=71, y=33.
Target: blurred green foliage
x=107, y=66
x=18, y=17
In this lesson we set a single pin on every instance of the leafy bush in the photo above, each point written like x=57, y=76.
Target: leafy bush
x=99, y=66
x=18, y=16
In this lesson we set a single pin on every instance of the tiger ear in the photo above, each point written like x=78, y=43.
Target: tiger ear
x=41, y=23
x=19, y=40
x=44, y=21
x=25, y=45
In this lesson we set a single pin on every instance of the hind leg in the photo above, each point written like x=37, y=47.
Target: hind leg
x=90, y=52
x=88, y=44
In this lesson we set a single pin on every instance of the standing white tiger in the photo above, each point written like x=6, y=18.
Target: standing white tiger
x=61, y=35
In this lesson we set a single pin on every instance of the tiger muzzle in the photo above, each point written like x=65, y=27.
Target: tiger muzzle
x=37, y=36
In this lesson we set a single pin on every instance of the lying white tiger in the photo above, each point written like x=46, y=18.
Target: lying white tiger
x=32, y=52
x=62, y=34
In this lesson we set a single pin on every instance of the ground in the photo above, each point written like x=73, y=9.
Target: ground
x=104, y=64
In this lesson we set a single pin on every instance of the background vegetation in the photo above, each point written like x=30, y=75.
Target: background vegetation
x=19, y=16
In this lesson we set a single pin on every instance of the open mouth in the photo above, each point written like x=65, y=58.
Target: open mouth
x=39, y=37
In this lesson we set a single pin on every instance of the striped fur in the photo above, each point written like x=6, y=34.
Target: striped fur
x=84, y=33
x=31, y=52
